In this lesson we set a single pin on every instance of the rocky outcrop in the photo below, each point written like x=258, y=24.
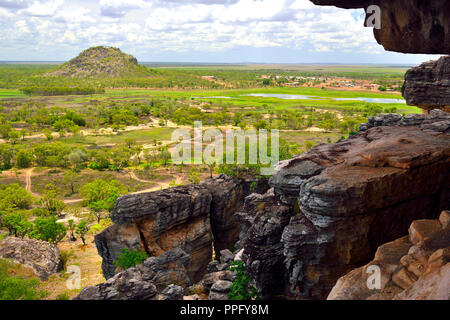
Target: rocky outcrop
x=436, y=121
x=428, y=85
x=40, y=256
x=187, y=217
x=332, y=207
x=423, y=27
x=157, y=278
x=158, y=222
x=415, y=267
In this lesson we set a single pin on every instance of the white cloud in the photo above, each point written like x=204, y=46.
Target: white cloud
x=201, y=26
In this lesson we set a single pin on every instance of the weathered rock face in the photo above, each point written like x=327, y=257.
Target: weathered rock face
x=187, y=217
x=158, y=222
x=428, y=85
x=437, y=121
x=333, y=206
x=152, y=280
x=41, y=256
x=227, y=196
x=415, y=267
x=407, y=26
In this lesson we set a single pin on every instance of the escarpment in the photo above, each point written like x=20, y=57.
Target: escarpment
x=190, y=218
x=331, y=207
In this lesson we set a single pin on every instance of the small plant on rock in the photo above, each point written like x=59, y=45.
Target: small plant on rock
x=241, y=288
x=130, y=258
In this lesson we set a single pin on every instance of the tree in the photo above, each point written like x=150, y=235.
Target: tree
x=70, y=179
x=81, y=230
x=50, y=200
x=23, y=159
x=48, y=134
x=165, y=156
x=13, y=197
x=71, y=226
x=6, y=155
x=5, y=130
x=211, y=165
x=101, y=195
x=16, y=224
x=77, y=157
x=47, y=229
x=23, y=133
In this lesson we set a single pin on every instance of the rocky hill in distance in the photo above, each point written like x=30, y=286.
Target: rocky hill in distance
x=100, y=62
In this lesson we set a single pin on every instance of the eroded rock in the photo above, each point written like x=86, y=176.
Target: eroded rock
x=189, y=217
x=415, y=267
x=428, y=85
x=333, y=206
x=424, y=27
x=145, y=281
x=40, y=256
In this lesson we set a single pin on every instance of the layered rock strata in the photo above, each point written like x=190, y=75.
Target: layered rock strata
x=331, y=207
x=191, y=218
x=415, y=267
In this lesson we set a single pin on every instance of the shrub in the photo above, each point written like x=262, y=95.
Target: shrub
x=241, y=288
x=130, y=258
x=47, y=229
x=16, y=224
x=14, y=197
x=17, y=288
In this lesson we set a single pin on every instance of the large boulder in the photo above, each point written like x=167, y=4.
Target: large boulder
x=415, y=267
x=154, y=279
x=333, y=206
x=428, y=85
x=407, y=26
x=41, y=256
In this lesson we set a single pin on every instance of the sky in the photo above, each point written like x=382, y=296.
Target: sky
x=209, y=31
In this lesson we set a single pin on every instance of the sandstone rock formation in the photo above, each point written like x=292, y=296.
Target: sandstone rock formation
x=332, y=207
x=41, y=256
x=415, y=267
x=407, y=26
x=187, y=217
x=437, y=121
x=152, y=280
x=428, y=85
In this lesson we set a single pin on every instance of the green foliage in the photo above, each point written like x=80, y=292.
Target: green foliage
x=130, y=258
x=17, y=288
x=23, y=159
x=194, y=178
x=13, y=197
x=6, y=156
x=241, y=288
x=16, y=223
x=47, y=229
x=61, y=91
x=101, y=195
x=50, y=200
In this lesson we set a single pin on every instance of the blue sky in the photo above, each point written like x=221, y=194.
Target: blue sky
x=227, y=31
